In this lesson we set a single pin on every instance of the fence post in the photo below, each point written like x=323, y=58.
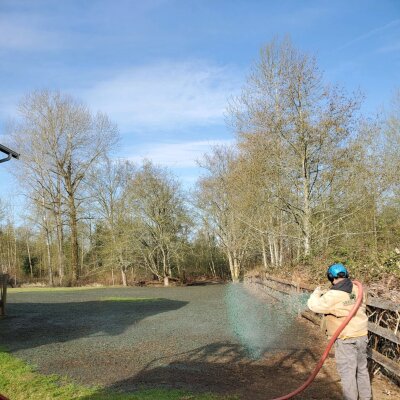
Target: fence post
x=3, y=294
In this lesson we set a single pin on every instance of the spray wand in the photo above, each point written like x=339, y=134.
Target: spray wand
x=329, y=346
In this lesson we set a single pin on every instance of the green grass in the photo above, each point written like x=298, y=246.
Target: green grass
x=52, y=289
x=131, y=299
x=19, y=381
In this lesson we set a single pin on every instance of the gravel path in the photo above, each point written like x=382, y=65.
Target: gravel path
x=184, y=338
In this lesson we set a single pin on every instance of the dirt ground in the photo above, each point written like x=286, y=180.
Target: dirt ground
x=183, y=339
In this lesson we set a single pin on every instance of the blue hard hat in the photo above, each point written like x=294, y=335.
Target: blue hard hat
x=337, y=270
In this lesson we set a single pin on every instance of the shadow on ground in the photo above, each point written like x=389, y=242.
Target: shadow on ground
x=29, y=325
x=223, y=368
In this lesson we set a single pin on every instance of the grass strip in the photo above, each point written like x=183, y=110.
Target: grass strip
x=19, y=381
x=52, y=289
x=131, y=299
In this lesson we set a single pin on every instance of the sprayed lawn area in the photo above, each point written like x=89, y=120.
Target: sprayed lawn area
x=131, y=299
x=177, y=343
x=110, y=342
x=19, y=381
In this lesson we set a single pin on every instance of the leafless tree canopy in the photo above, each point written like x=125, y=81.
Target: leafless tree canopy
x=309, y=181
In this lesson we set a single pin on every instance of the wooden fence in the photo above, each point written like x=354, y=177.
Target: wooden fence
x=3, y=293
x=383, y=325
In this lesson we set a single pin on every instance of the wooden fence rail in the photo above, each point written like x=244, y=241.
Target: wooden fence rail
x=280, y=285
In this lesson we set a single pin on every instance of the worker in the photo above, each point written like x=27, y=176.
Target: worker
x=351, y=345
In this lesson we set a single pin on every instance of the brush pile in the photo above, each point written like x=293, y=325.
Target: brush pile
x=388, y=288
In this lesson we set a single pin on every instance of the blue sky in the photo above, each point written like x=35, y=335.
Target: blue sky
x=164, y=69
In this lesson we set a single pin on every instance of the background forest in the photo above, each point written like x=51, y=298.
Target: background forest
x=308, y=181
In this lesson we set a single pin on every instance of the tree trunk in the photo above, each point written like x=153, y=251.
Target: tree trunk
x=212, y=268
x=234, y=267
x=60, y=251
x=15, y=257
x=60, y=233
x=123, y=276
x=29, y=257
x=264, y=252
x=307, y=208
x=9, y=252
x=132, y=276
x=51, y=282
x=271, y=251
x=374, y=228
x=276, y=251
x=211, y=263
x=281, y=247
x=166, y=268
x=74, y=239
x=47, y=232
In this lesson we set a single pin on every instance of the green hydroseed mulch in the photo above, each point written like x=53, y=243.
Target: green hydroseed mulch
x=19, y=381
x=131, y=299
x=163, y=343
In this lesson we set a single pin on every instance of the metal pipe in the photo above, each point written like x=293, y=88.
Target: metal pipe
x=10, y=154
x=5, y=159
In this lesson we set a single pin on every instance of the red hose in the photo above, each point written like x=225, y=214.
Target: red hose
x=329, y=346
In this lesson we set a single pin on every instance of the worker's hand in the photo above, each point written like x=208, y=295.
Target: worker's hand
x=318, y=291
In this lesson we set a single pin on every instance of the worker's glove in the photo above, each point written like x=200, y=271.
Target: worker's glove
x=318, y=291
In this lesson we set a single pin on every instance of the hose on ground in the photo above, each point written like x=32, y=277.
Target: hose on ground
x=329, y=346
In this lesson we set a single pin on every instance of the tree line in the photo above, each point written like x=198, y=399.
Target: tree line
x=308, y=181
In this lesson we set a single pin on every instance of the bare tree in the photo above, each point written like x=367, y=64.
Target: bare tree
x=61, y=140
x=222, y=206
x=161, y=219
x=303, y=125
x=392, y=139
x=108, y=187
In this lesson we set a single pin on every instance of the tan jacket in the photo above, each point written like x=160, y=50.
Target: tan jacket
x=336, y=306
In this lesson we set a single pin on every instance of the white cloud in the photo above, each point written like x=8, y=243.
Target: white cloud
x=165, y=95
x=175, y=155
